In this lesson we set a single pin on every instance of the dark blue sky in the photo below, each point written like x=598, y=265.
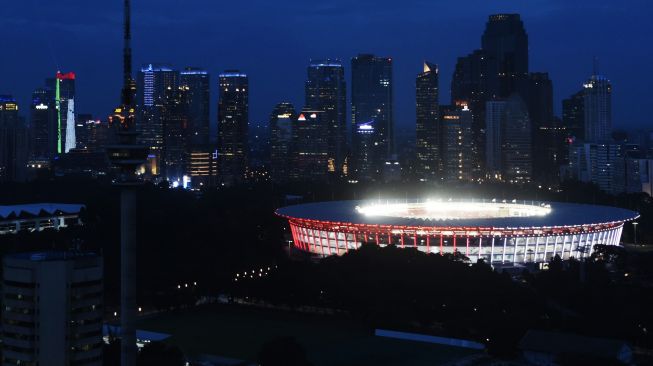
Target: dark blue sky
x=273, y=41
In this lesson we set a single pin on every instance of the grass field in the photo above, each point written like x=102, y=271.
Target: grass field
x=239, y=333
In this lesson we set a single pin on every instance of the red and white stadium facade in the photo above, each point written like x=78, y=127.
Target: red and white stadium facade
x=497, y=232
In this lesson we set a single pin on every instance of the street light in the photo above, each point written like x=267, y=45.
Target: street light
x=635, y=230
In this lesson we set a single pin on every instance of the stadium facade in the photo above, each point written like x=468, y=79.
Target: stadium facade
x=500, y=232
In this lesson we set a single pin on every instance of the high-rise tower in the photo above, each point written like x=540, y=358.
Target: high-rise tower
x=63, y=85
x=282, y=121
x=597, y=102
x=325, y=91
x=196, y=84
x=427, y=126
x=233, y=121
x=372, y=112
x=506, y=42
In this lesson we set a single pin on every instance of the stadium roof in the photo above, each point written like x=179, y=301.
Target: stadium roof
x=38, y=209
x=560, y=215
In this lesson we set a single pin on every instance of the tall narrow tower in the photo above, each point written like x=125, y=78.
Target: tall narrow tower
x=126, y=156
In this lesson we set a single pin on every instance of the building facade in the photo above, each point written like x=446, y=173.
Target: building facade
x=13, y=141
x=325, y=90
x=233, y=124
x=427, y=132
x=282, y=121
x=63, y=85
x=196, y=83
x=310, y=148
x=52, y=309
x=43, y=124
x=157, y=85
x=597, y=102
x=506, y=42
x=372, y=102
x=455, y=148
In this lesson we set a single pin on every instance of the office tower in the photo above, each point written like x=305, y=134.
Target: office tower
x=494, y=116
x=310, y=146
x=597, y=102
x=573, y=115
x=13, y=141
x=546, y=135
x=372, y=105
x=282, y=120
x=633, y=173
x=516, y=142
x=43, y=124
x=506, y=42
x=595, y=162
x=157, y=85
x=202, y=166
x=71, y=138
x=197, y=83
x=175, y=135
x=428, y=162
x=83, y=129
x=456, y=131
x=259, y=149
x=63, y=85
x=473, y=84
x=325, y=90
x=366, y=167
x=509, y=144
x=52, y=309
x=233, y=121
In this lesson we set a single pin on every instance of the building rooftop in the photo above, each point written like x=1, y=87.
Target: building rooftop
x=36, y=209
x=49, y=256
x=461, y=213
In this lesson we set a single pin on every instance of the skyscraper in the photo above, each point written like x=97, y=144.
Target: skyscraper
x=573, y=115
x=13, y=141
x=372, y=105
x=494, y=120
x=506, y=42
x=428, y=164
x=43, y=124
x=509, y=143
x=473, y=84
x=196, y=83
x=455, y=148
x=52, y=309
x=326, y=91
x=233, y=121
x=175, y=134
x=282, y=121
x=546, y=136
x=310, y=146
x=517, y=156
x=157, y=86
x=71, y=124
x=597, y=103
x=63, y=85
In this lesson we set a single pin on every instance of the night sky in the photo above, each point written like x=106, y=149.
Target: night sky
x=273, y=41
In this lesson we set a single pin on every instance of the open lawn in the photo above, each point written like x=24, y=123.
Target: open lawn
x=238, y=332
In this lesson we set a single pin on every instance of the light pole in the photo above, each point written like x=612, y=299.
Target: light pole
x=635, y=230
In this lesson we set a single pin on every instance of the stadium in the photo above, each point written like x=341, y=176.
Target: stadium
x=500, y=232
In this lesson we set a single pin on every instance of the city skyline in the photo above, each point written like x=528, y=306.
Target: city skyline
x=565, y=51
